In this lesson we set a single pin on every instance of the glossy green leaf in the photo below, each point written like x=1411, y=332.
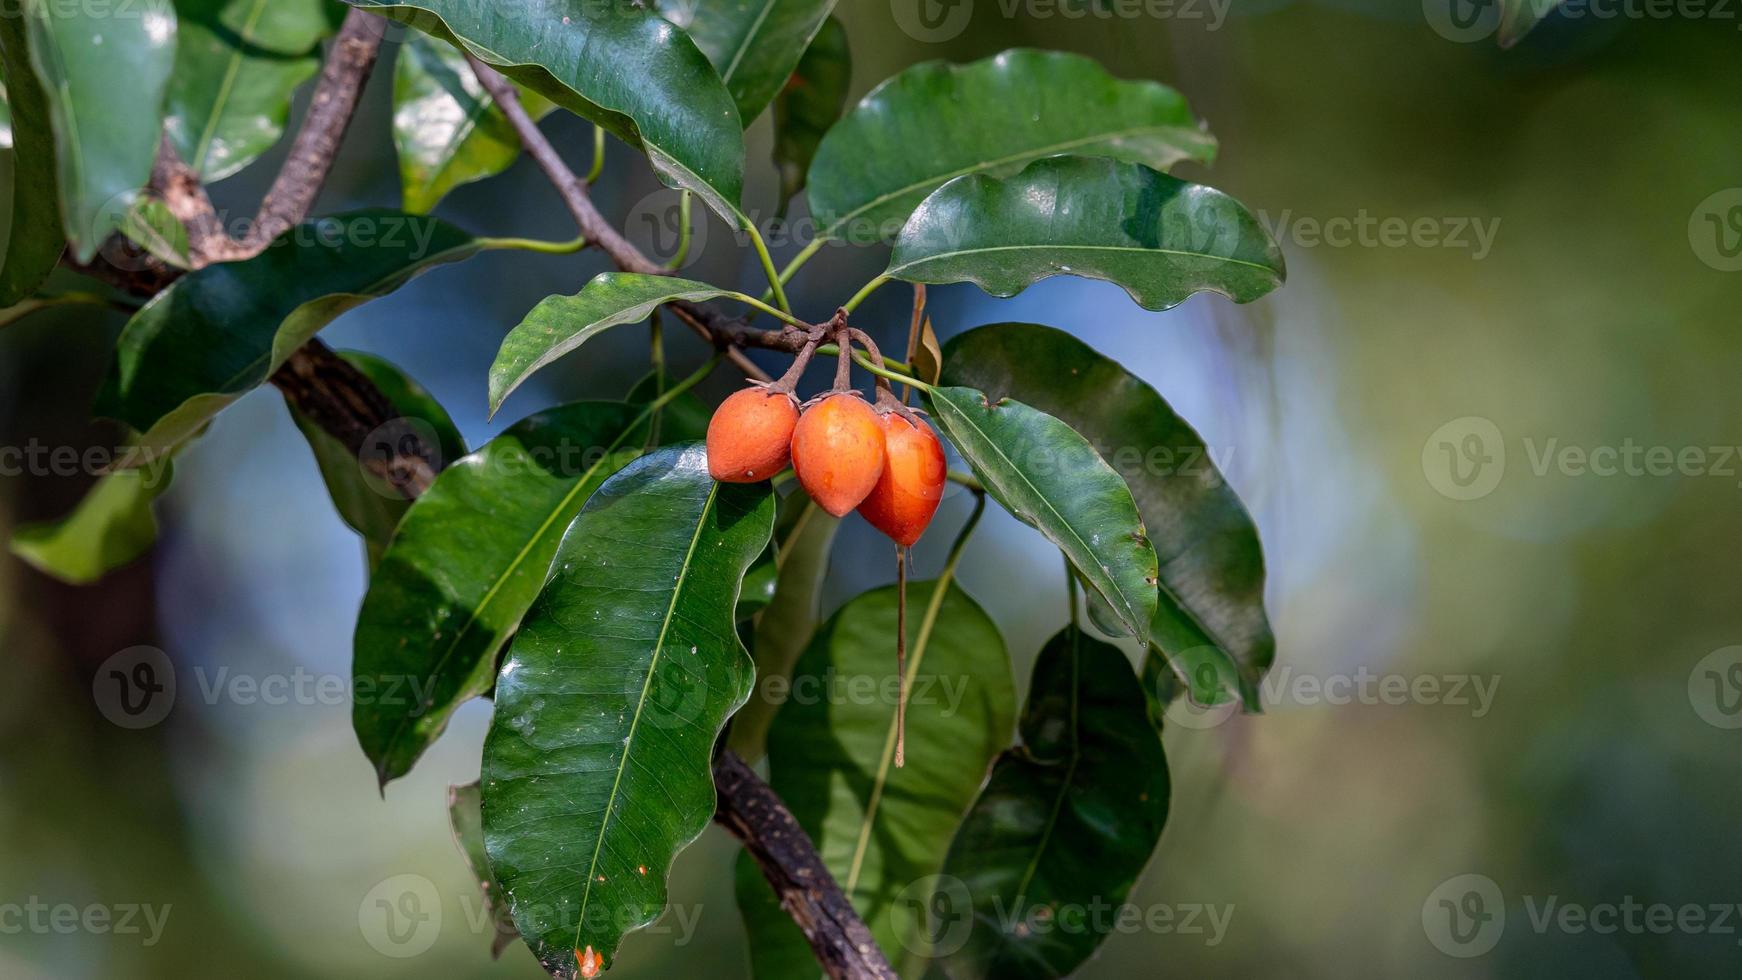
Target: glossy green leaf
x=1051, y=479
x=111, y=527
x=152, y=226
x=1518, y=17
x=35, y=241
x=1210, y=621
x=810, y=103
x=683, y=419
x=882, y=831
x=466, y=819
x=220, y=332
x=936, y=121
x=618, y=64
x=784, y=626
x=1067, y=820
x=230, y=93
x=596, y=770
x=559, y=324
x=448, y=130
x=753, y=44
x=1159, y=238
x=105, y=71
x=467, y=561
x=366, y=503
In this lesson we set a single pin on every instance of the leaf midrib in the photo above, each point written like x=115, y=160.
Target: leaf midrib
x=749, y=39
x=1070, y=769
x=895, y=271
x=231, y=71
x=641, y=703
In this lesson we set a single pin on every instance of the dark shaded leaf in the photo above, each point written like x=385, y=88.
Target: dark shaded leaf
x=810, y=103
x=1210, y=621
x=1518, y=17
x=1051, y=479
x=468, y=559
x=1067, y=820
x=216, y=334
x=753, y=44
x=1159, y=238
x=596, y=769
x=35, y=242
x=467, y=822
x=937, y=121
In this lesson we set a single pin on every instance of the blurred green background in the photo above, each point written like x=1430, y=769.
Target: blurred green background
x=1599, y=771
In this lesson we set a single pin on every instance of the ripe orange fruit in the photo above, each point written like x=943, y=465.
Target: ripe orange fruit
x=837, y=452
x=906, y=496
x=750, y=436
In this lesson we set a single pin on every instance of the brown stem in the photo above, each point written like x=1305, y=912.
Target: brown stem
x=913, y=329
x=755, y=815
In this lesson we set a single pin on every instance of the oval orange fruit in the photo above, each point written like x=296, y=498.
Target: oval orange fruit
x=837, y=452
x=750, y=436
x=906, y=496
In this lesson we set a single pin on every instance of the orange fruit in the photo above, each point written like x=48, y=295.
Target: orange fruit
x=837, y=452
x=906, y=496
x=750, y=436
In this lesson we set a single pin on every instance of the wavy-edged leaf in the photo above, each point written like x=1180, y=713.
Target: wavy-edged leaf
x=1068, y=819
x=111, y=527
x=596, y=769
x=937, y=121
x=104, y=71
x=35, y=242
x=1519, y=17
x=365, y=502
x=784, y=625
x=810, y=103
x=753, y=44
x=447, y=128
x=217, y=334
x=1158, y=237
x=1210, y=621
x=882, y=831
x=559, y=324
x=1051, y=478
x=467, y=561
x=618, y=64
x=466, y=819
x=229, y=95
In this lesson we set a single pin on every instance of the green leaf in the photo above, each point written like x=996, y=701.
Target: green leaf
x=618, y=64
x=230, y=93
x=936, y=121
x=35, y=242
x=784, y=626
x=152, y=226
x=1052, y=479
x=1518, y=17
x=596, y=769
x=18, y=311
x=1067, y=820
x=884, y=831
x=559, y=324
x=810, y=103
x=110, y=528
x=683, y=419
x=467, y=561
x=467, y=822
x=366, y=503
x=753, y=44
x=1159, y=238
x=1210, y=621
x=105, y=71
x=5, y=118
x=448, y=130
x=217, y=334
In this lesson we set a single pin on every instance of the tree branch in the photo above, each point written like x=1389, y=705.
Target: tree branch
x=755, y=815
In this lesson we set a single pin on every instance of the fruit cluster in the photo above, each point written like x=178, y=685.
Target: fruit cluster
x=884, y=461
